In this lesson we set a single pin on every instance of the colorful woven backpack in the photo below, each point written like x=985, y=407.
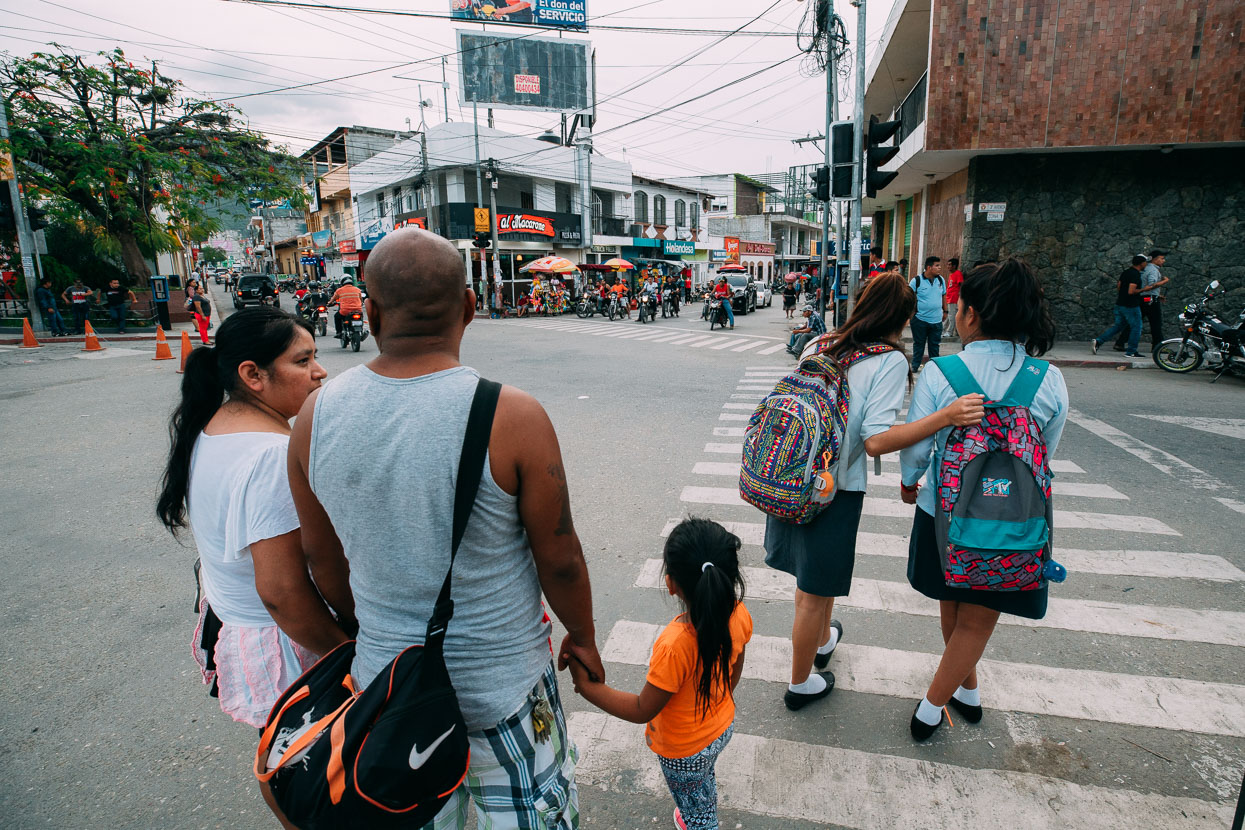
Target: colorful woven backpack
x=793, y=440
x=993, y=515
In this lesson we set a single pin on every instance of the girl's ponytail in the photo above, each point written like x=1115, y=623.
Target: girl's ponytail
x=702, y=558
x=202, y=395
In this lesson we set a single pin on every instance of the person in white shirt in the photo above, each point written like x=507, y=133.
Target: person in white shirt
x=822, y=553
x=226, y=478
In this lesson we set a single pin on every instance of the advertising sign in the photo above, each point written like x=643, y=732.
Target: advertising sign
x=350, y=259
x=732, y=248
x=322, y=239
x=719, y=255
x=346, y=246
x=535, y=73
x=411, y=222
x=524, y=223
x=758, y=248
x=678, y=246
x=557, y=14
x=482, y=223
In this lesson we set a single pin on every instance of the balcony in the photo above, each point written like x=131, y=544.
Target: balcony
x=911, y=112
x=609, y=225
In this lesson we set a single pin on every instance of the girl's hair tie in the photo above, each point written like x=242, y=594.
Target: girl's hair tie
x=706, y=566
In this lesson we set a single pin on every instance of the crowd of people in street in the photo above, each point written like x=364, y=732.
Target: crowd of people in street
x=292, y=565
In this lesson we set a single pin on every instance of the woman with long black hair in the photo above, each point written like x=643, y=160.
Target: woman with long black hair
x=1002, y=316
x=226, y=479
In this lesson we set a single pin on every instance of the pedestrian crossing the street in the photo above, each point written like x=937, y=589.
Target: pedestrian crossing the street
x=682, y=333
x=1102, y=532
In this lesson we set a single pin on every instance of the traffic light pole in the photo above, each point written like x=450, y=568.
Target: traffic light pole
x=858, y=170
x=827, y=285
x=25, y=238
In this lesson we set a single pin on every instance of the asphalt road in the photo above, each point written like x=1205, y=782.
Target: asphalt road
x=1126, y=706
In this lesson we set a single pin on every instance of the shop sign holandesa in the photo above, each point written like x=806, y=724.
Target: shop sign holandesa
x=678, y=246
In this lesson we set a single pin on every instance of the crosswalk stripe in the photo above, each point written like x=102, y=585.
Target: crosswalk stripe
x=716, y=468
x=773, y=349
x=704, y=341
x=685, y=338
x=1096, y=617
x=1131, y=700
x=729, y=432
x=729, y=343
x=748, y=396
x=1158, y=564
x=747, y=406
x=732, y=416
x=730, y=449
x=752, y=344
x=893, y=508
x=766, y=369
x=793, y=780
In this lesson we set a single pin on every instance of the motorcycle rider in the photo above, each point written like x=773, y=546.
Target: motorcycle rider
x=347, y=298
x=313, y=299
x=723, y=292
x=673, y=290
x=619, y=290
x=648, y=293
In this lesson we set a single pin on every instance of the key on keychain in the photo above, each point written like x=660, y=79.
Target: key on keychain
x=542, y=719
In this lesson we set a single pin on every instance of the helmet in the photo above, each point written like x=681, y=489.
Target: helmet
x=347, y=281
x=314, y=285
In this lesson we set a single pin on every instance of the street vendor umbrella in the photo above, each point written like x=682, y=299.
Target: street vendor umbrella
x=732, y=268
x=619, y=264
x=551, y=265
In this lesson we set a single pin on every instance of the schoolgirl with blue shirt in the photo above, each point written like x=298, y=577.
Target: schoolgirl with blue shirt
x=1002, y=316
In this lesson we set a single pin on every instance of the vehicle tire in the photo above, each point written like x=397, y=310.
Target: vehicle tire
x=237, y=306
x=1178, y=356
x=324, y=327
x=345, y=340
x=583, y=310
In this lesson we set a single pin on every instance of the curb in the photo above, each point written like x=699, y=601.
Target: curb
x=51, y=341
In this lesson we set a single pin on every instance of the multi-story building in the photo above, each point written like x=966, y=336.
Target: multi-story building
x=431, y=181
x=757, y=226
x=328, y=247
x=1073, y=134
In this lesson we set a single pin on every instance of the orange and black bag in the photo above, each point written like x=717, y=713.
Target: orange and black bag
x=391, y=755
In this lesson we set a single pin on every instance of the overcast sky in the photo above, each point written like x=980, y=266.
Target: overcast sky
x=221, y=48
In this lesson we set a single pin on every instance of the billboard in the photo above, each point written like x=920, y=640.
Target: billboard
x=561, y=14
x=523, y=72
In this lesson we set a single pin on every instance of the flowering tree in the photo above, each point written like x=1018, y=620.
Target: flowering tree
x=121, y=150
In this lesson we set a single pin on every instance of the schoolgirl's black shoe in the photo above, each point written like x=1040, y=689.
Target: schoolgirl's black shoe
x=798, y=700
x=972, y=714
x=922, y=730
x=822, y=660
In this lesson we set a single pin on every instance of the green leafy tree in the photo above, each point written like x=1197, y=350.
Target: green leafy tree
x=124, y=151
x=210, y=254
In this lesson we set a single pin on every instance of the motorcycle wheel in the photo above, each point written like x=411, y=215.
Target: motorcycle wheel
x=583, y=311
x=324, y=327
x=355, y=341
x=1178, y=356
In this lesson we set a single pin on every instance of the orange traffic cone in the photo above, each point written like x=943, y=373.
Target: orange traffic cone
x=186, y=347
x=92, y=342
x=28, y=336
x=163, y=352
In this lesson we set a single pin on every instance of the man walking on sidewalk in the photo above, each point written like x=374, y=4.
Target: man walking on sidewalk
x=1152, y=282
x=931, y=311
x=1127, y=309
x=376, y=520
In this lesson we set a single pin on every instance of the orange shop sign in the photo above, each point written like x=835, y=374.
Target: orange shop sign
x=732, y=248
x=524, y=223
x=346, y=246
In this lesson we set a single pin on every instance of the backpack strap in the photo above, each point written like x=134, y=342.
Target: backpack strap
x=872, y=350
x=1025, y=386
x=957, y=374
x=470, y=471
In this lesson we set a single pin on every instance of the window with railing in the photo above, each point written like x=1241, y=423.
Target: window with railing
x=641, y=207
x=659, y=210
x=912, y=111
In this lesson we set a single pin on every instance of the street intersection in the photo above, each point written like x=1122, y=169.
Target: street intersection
x=1124, y=706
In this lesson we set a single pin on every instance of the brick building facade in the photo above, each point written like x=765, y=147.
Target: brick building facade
x=1136, y=95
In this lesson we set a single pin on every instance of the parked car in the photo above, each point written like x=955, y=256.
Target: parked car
x=765, y=295
x=251, y=289
x=745, y=296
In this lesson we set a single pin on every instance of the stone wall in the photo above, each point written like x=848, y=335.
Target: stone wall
x=944, y=217
x=1078, y=218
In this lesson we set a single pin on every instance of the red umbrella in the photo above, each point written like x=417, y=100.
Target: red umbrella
x=732, y=268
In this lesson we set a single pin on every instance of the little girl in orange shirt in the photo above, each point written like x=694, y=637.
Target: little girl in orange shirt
x=687, y=701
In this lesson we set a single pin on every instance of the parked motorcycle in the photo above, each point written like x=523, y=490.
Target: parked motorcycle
x=1204, y=338
x=353, y=332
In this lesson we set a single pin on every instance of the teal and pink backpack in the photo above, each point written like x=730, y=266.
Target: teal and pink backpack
x=793, y=440
x=993, y=513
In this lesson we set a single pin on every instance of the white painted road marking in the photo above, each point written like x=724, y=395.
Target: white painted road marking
x=1225, y=628
x=894, y=508
x=729, y=432
x=1132, y=700
x=746, y=406
x=731, y=416
x=724, y=448
x=792, y=780
x=1160, y=460
x=1226, y=427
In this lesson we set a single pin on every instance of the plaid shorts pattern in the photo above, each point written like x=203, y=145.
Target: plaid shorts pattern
x=516, y=782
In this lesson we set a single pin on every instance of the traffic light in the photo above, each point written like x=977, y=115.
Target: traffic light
x=876, y=155
x=481, y=240
x=37, y=218
x=842, y=147
x=821, y=184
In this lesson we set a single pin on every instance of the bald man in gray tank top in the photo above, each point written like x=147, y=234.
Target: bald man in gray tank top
x=373, y=461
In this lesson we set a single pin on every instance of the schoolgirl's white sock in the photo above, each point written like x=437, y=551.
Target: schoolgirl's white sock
x=969, y=697
x=812, y=686
x=927, y=713
x=831, y=643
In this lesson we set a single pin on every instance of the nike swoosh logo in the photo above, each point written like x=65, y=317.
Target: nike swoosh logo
x=418, y=758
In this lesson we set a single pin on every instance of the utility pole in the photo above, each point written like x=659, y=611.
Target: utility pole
x=445, y=93
x=858, y=170
x=475, y=116
x=492, y=209
x=25, y=238
x=831, y=107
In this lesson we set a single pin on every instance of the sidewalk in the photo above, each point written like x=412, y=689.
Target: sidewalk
x=108, y=334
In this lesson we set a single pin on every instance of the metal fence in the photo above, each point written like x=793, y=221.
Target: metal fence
x=912, y=111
